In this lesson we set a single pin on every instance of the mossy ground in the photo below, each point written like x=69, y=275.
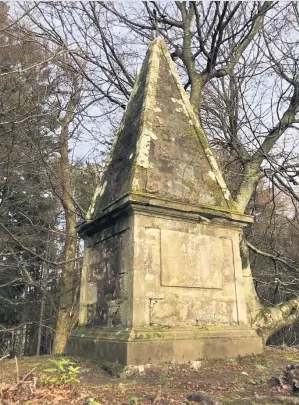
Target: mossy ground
x=239, y=381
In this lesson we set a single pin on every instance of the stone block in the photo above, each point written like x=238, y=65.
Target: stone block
x=142, y=346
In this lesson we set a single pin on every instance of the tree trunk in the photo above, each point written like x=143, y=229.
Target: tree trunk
x=42, y=307
x=83, y=319
x=69, y=276
x=68, y=312
x=271, y=319
x=251, y=177
x=40, y=325
x=63, y=326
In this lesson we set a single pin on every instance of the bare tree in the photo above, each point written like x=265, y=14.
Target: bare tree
x=41, y=114
x=239, y=65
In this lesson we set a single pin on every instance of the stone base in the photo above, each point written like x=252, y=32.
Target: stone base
x=155, y=345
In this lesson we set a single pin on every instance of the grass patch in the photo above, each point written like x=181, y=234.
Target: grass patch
x=113, y=369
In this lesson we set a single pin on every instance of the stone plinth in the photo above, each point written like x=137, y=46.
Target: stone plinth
x=163, y=283
x=162, y=345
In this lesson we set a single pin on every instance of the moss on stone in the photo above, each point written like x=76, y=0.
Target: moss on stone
x=216, y=191
x=213, y=185
x=199, y=134
x=188, y=184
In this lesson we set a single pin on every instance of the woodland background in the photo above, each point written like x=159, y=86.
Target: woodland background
x=66, y=73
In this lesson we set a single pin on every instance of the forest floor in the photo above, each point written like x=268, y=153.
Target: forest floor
x=252, y=380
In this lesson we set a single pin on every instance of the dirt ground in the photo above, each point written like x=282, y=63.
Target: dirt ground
x=250, y=380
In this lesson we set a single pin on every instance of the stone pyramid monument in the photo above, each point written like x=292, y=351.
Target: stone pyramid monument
x=162, y=278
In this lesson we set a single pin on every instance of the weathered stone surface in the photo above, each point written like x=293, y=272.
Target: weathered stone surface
x=160, y=148
x=107, y=283
x=201, y=256
x=157, y=345
x=173, y=289
x=162, y=277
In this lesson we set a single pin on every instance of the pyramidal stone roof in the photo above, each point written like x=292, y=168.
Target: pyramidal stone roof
x=160, y=151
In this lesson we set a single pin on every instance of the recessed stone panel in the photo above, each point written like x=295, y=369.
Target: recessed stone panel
x=193, y=260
